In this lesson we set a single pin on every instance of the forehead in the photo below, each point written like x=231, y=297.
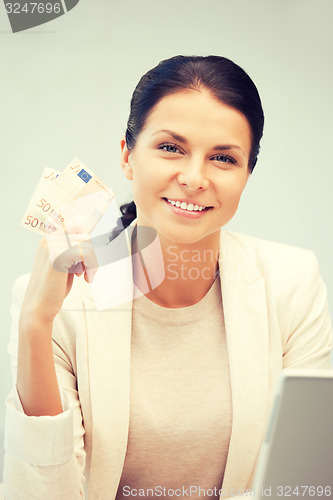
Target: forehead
x=200, y=117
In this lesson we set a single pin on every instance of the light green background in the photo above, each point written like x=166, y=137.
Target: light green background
x=65, y=91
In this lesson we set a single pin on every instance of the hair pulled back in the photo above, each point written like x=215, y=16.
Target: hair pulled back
x=226, y=81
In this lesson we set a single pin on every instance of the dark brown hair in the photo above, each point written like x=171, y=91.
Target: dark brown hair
x=227, y=82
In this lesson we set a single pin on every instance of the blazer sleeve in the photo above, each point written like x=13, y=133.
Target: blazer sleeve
x=309, y=342
x=44, y=456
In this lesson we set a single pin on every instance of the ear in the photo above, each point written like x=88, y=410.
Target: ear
x=125, y=160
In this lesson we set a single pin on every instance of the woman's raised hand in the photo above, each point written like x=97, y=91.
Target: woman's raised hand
x=61, y=255
x=65, y=251
x=53, y=272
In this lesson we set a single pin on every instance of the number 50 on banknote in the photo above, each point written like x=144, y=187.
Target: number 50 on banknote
x=57, y=190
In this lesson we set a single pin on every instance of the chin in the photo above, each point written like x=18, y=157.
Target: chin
x=187, y=237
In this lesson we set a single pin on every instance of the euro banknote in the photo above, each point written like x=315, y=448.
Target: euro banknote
x=74, y=207
x=73, y=197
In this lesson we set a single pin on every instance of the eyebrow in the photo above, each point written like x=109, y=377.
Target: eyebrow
x=219, y=147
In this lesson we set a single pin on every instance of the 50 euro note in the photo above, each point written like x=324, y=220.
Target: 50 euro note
x=75, y=197
x=75, y=203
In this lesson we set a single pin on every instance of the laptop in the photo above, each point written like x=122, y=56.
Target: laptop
x=296, y=458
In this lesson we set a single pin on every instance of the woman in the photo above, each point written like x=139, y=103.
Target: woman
x=168, y=394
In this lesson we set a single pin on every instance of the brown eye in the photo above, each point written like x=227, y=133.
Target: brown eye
x=170, y=148
x=225, y=159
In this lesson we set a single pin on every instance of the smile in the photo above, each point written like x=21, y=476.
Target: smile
x=186, y=206
x=187, y=210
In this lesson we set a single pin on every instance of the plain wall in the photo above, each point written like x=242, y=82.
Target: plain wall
x=65, y=92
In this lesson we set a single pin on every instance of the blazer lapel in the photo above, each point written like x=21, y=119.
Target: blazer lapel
x=109, y=348
x=109, y=351
x=247, y=332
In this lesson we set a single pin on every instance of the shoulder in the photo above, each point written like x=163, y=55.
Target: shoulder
x=263, y=247
x=277, y=262
x=265, y=251
x=20, y=286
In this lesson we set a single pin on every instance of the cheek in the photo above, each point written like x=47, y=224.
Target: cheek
x=230, y=194
x=231, y=188
x=148, y=179
x=145, y=189
x=143, y=184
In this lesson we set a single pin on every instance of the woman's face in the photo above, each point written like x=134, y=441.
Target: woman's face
x=193, y=152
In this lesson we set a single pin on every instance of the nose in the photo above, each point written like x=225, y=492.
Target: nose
x=193, y=175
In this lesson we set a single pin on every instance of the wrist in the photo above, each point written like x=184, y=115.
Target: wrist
x=33, y=324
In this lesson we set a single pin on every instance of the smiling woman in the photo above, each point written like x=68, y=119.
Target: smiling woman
x=170, y=179
x=192, y=140
x=151, y=398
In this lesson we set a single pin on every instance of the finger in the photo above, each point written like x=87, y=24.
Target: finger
x=60, y=241
x=90, y=274
x=76, y=259
x=69, y=283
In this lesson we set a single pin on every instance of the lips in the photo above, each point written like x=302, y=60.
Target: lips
x=188, y=205
x=190, y=211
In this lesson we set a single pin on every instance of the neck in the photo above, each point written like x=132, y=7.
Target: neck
x=190, y=270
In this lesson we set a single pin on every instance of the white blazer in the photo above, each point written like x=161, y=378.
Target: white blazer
x=276, y=316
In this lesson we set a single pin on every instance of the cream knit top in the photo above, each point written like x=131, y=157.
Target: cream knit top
x=180, y=406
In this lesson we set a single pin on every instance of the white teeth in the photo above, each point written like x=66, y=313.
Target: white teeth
x=190, y=207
